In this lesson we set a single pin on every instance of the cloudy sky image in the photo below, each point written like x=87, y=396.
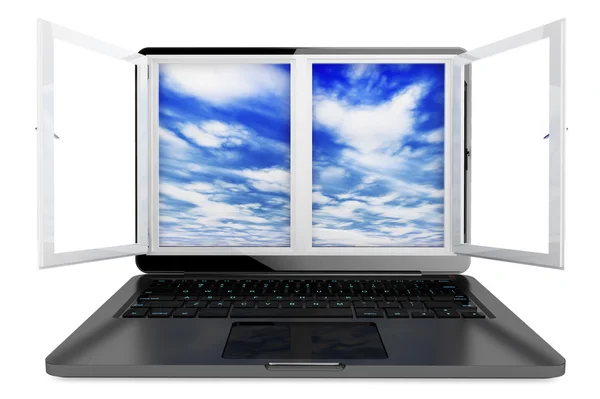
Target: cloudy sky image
x=224, y=155
x=378, y=155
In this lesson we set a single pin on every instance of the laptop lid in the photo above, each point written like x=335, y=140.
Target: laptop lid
x=400, y=223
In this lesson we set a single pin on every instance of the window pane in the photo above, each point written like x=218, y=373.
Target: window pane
x=94, y=157
x=378, y=155
x=224, y=155
x=510, y=157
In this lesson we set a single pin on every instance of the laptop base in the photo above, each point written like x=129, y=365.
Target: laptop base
x=501, y=346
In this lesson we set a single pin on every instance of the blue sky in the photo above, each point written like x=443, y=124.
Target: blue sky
x=224, y=155
x=378, y=155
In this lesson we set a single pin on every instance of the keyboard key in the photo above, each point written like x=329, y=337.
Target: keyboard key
x=244, y=304
x=156, y=298
x=447, y=314
x=349, y=298
x=466, y=307
x=185, y=313
x=187, y=298
x=423, y=315
x=303, y=297
x=372, y=298
x=413, y=305
x=472, y=315
x=268, y=304
x=135, y=313
x=278, y=298
x=196, y=304
x=419, y=298
x=158, y=304
x=339, y=304
x=219, y=304
x=396, y=313
x=316, y=304
x=255, y=298
x=157, y=291
x=446, y=297
x=440, y=305
x=362, y=313
x=160, y=312
x=213, y=312
x=363, y=304
x=291, y=304
x=209, y=298
x=291, y=312
x=388, y=304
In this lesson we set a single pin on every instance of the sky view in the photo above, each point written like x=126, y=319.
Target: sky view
x=224, y=155
x=378, y=155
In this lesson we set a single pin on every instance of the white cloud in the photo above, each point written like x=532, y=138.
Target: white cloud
x=370, y=179
x=359, y=70
x=400, y=230
x=333, y=173
x=215, y=134
x=369, y=128
x=384, y=199
x=269, y=180
x=176, y=146
x=416, y=190
x=343, y=210
x=431, y=213
x=319, y=198
x=373, y=160
x=194, y=167
x=210, y=211
x=200, y=187
x=232, y=187
x=434, y=165
x=436, y=136
x=351, y=238
x=270, y=187
x=223, y=83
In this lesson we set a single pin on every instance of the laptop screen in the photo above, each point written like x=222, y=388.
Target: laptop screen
x=247, y=156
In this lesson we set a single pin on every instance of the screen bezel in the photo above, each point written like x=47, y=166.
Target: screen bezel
x=445, y=262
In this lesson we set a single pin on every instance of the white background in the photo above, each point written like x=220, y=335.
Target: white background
x=41, y=308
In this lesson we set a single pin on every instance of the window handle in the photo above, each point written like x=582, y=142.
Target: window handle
x=548, y=135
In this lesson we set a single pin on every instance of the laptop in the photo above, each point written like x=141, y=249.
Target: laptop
x=296, y=212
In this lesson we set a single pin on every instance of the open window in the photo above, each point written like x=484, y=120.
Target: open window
x=516, y=170
x=88, y=151
x=93, y=135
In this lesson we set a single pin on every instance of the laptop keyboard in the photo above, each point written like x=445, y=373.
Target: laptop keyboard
x=393, y=299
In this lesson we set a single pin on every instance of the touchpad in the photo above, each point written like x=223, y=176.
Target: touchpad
x=304, y=341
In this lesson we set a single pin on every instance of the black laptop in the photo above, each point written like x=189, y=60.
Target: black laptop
x=296, y=212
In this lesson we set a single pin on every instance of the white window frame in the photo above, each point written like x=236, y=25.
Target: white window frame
x=301, y=150
x=555, y=32
x=48, y=257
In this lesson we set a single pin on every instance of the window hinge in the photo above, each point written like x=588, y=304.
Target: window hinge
x=148, y=72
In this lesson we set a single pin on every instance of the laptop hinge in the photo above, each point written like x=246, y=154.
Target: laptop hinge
x=406, y=273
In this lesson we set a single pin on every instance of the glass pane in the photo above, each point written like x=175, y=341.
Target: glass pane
x=94, y=156
x=378, y=154
x=224, y=155
x=509, y=160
